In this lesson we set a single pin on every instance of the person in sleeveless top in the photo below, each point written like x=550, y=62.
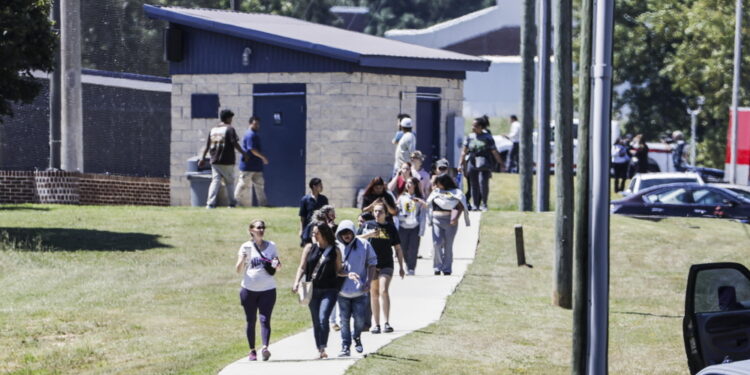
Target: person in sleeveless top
x=325, y=280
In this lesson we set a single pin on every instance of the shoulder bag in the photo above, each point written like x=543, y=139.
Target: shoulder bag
x=267, y=263
x=305, y=288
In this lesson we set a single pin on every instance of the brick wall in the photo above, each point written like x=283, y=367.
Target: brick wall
x=350, y=122
x=82, y=188
x=16, y=187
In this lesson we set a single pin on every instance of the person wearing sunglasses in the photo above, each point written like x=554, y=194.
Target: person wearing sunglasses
x=258, y=261
x=383, y=237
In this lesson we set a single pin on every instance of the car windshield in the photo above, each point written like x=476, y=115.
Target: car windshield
x=663, y=181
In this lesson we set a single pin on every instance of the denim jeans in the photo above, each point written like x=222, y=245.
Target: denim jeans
x=480, y=186
x=352, y=308
x=443, y=234
x=321, y=305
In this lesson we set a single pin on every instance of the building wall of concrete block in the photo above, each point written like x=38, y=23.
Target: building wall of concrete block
x=350, y=122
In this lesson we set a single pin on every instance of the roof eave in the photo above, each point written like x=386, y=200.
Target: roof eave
x=239, y=32
x=396, y=62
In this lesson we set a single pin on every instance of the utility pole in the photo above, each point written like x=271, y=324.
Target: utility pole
x=234, y=4
x=564, y=159
x=599, y=235
x=525, y=157
x=735, y=90
x=71, y=149
x=543, y=108
x=54, y=96
x=582, y=193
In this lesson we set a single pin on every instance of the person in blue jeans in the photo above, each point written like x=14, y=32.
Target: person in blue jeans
x=321, y=264
x=359, y=267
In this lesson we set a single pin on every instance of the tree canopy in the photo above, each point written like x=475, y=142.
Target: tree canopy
x=669, y=53
x=27, y=43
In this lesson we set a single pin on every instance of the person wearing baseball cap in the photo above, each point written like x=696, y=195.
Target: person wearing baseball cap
x=406, y=145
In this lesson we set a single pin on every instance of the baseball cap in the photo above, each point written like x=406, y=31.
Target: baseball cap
x=442, y=163
x=406, y=122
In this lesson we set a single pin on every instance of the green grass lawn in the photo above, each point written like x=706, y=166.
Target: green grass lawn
x=501, y=320
x=151, y=290
x=75, y=300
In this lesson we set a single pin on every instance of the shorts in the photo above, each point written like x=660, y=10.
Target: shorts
x=384, y=271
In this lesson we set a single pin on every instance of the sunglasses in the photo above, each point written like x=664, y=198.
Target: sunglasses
x=260, y=228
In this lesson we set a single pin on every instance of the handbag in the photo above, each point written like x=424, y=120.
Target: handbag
x=267, y=263
x=305, y=288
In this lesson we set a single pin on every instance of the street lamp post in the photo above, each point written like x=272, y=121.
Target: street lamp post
x=693, y=125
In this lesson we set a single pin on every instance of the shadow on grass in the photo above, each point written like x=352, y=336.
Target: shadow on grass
x=18, y=208
x=391, y=357
x=67, y=239
x=647, y=314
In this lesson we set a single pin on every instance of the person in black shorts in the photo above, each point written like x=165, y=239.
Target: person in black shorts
x=383, y=237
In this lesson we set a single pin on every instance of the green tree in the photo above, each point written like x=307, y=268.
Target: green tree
x=27, y=43
x=668, y=53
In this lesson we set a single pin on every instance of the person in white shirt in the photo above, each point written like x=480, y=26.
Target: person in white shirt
x=258, y=261
x=514, y=136
x=406, y=145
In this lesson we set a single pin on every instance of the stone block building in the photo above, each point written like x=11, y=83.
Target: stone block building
x=327, y=97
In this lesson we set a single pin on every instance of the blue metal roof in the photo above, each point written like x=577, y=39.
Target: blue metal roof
x=363, y=49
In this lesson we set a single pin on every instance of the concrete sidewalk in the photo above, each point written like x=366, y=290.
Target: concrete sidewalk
x=416, y=302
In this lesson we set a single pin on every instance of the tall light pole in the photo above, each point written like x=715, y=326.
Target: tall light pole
x=543, y=108
x=735, y=90
x=599, y=224
x=693, y=125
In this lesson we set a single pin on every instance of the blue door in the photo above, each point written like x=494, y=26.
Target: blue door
x=281, y=108
x=428, y=124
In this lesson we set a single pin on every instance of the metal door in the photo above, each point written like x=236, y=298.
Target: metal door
x=282, y=112
x=428, y=124
x=716, y=327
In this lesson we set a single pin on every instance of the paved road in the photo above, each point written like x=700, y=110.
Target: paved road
x=416, y=302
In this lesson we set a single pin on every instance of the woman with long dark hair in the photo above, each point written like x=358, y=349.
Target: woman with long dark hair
x=477, y=157
x=376, y=190
x=411, y=213
x=258, y=260
x=321, y=264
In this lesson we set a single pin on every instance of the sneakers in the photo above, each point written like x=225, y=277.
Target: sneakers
x=375, y=330
x=345, y=352
x=358, y=345
x=447, y=273
x=266, y=354
x=336, y=327
x=253, y=356
x=323, y=355
x=388, y=328
x=483, y=208
x=410, y=273
x=437, y=273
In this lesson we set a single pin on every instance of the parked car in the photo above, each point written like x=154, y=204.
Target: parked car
x=684, y=199
x=646, y=180
x=716, y=326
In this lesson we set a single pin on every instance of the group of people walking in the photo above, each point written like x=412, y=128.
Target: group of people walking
x=352, y=266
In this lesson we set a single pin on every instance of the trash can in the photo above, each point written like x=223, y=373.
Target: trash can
x=200, y=180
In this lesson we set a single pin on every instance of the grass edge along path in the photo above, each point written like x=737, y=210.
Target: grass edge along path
x=500, y=319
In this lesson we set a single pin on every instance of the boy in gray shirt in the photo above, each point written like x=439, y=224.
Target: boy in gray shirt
x=359, y=265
